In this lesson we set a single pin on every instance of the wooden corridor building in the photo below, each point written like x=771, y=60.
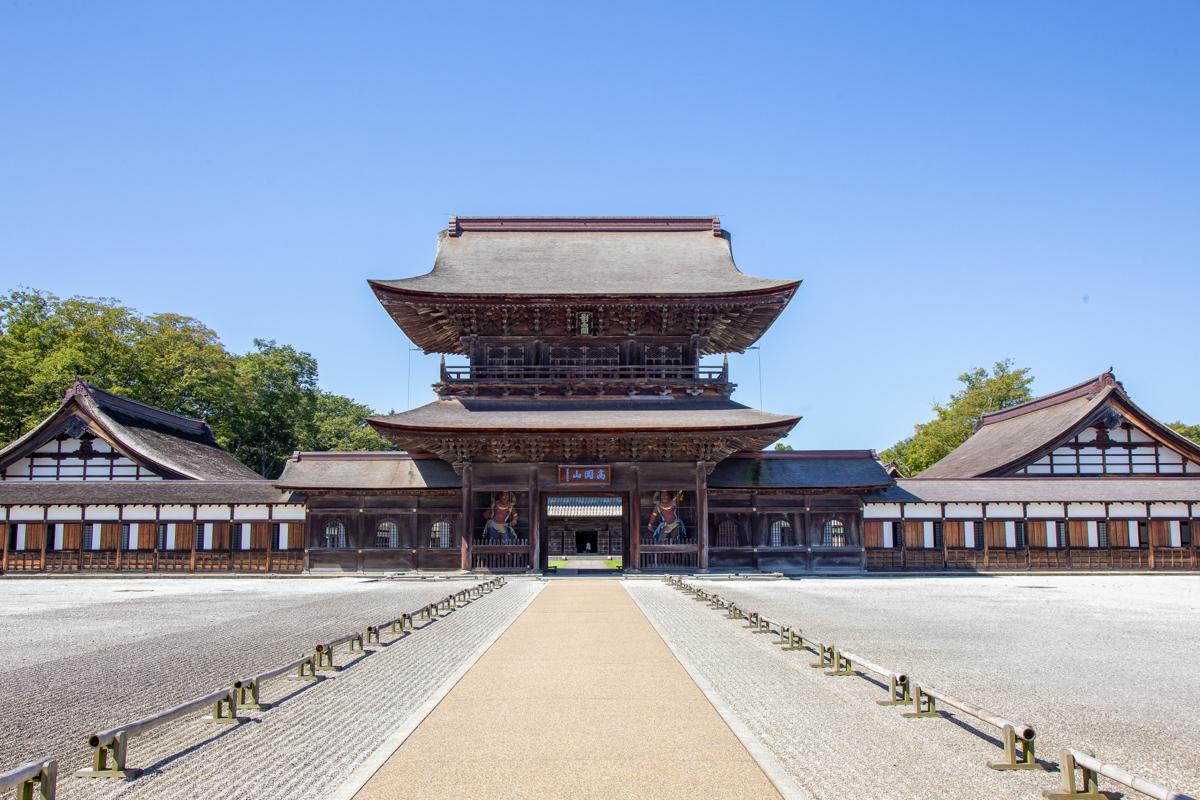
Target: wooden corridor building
x=591, y=408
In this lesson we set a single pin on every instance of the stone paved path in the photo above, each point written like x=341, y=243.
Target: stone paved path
x=310, y=744
x=827, y=732
x=580, y=698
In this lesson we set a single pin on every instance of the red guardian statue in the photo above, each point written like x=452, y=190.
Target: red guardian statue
x=669, y=523
x=501, y=518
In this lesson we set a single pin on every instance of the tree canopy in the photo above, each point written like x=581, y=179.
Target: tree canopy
x=955, y=420
x=262, y=405
x=1190, y=431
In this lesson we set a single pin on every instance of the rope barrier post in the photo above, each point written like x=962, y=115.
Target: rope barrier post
x=108, y=760
x=324, y=659
x=897, y=692
x=795, y=640
x=225, y=710
x=752, y=619
x=1018, y=751
x=356, y=644
x=841, y=665
x=247, y=695
x=924, y=705
x=1069, y=788
x=40, y=775
x=306, y=670
x=824, y=657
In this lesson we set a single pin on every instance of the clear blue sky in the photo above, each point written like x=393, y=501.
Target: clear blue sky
x=955, y=183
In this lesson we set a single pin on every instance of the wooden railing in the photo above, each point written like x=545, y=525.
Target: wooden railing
x=1032, y=558
x=590, y=372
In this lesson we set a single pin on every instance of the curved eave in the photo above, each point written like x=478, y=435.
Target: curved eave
x=401, y=303
x=786, y=424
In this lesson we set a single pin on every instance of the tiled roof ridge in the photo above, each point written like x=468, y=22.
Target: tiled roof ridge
x=124, y=405
x=461, y=224
x=1089, y=388
x=359, y=455
x=803, y=454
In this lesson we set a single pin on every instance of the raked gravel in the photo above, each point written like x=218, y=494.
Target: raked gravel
x=77, y=655
x=1106, y=663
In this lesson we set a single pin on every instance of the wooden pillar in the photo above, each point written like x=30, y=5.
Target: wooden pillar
x=535, y=520
x=634, y=532
x=46, y=535
x=464, y=536
x=270, y=534
x=987, y=547
x=702, y=513
x=197, y=528
x=120, y=525
x=7, y=534
x=157, y=513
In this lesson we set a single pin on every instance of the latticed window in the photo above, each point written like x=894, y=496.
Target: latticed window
x=1019, y=531
x=125, y=536
x=440, y=534
x=727, y=533
x=1060, y=533
x=779, y=528
x=387, y=534
x=664, y=355
x=88, y=534
x=1102, y=534
x=335, y=534
x=162, y=536
x=512, y=355
x=834, y=533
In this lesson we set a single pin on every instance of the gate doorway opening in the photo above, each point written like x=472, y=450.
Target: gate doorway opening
x=585, y=533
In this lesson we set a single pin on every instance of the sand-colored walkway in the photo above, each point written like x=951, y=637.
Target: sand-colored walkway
x=579, y=698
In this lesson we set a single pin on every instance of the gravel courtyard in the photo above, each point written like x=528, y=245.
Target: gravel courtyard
x=77, y=654
x=1101, y=662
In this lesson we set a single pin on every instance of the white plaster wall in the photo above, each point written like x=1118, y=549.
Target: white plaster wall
x=64, y=513
x=257, y=513
x=26, y=513
x=1078, y=510
x=138, y=512
x=218, y=512
x=175, y=512
x=103, y=513
x=1044, y=510
x=1127, y=510
x=296, y=511
x=922, y=511
x=964, y=511
x=1001, y=510
x=1160, y=510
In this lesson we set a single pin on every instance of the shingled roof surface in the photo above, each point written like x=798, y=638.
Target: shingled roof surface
x=1006, y=440
x=1039, y=489
x=814, y=469
x=650, y=414
x=336, y=471
x=179, y=445
x=15, y=493
x=546, y=256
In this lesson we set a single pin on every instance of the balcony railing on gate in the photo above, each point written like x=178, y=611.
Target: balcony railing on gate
x=586, y=372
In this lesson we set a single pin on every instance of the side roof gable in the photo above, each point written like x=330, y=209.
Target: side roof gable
x=171, y=445
x=1008, y=440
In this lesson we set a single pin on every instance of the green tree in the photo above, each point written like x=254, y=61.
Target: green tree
x=276, y=404
x=1190, y=431
x=955, y=420
x=262, y=405
x=784, y=448
x=340, y=423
